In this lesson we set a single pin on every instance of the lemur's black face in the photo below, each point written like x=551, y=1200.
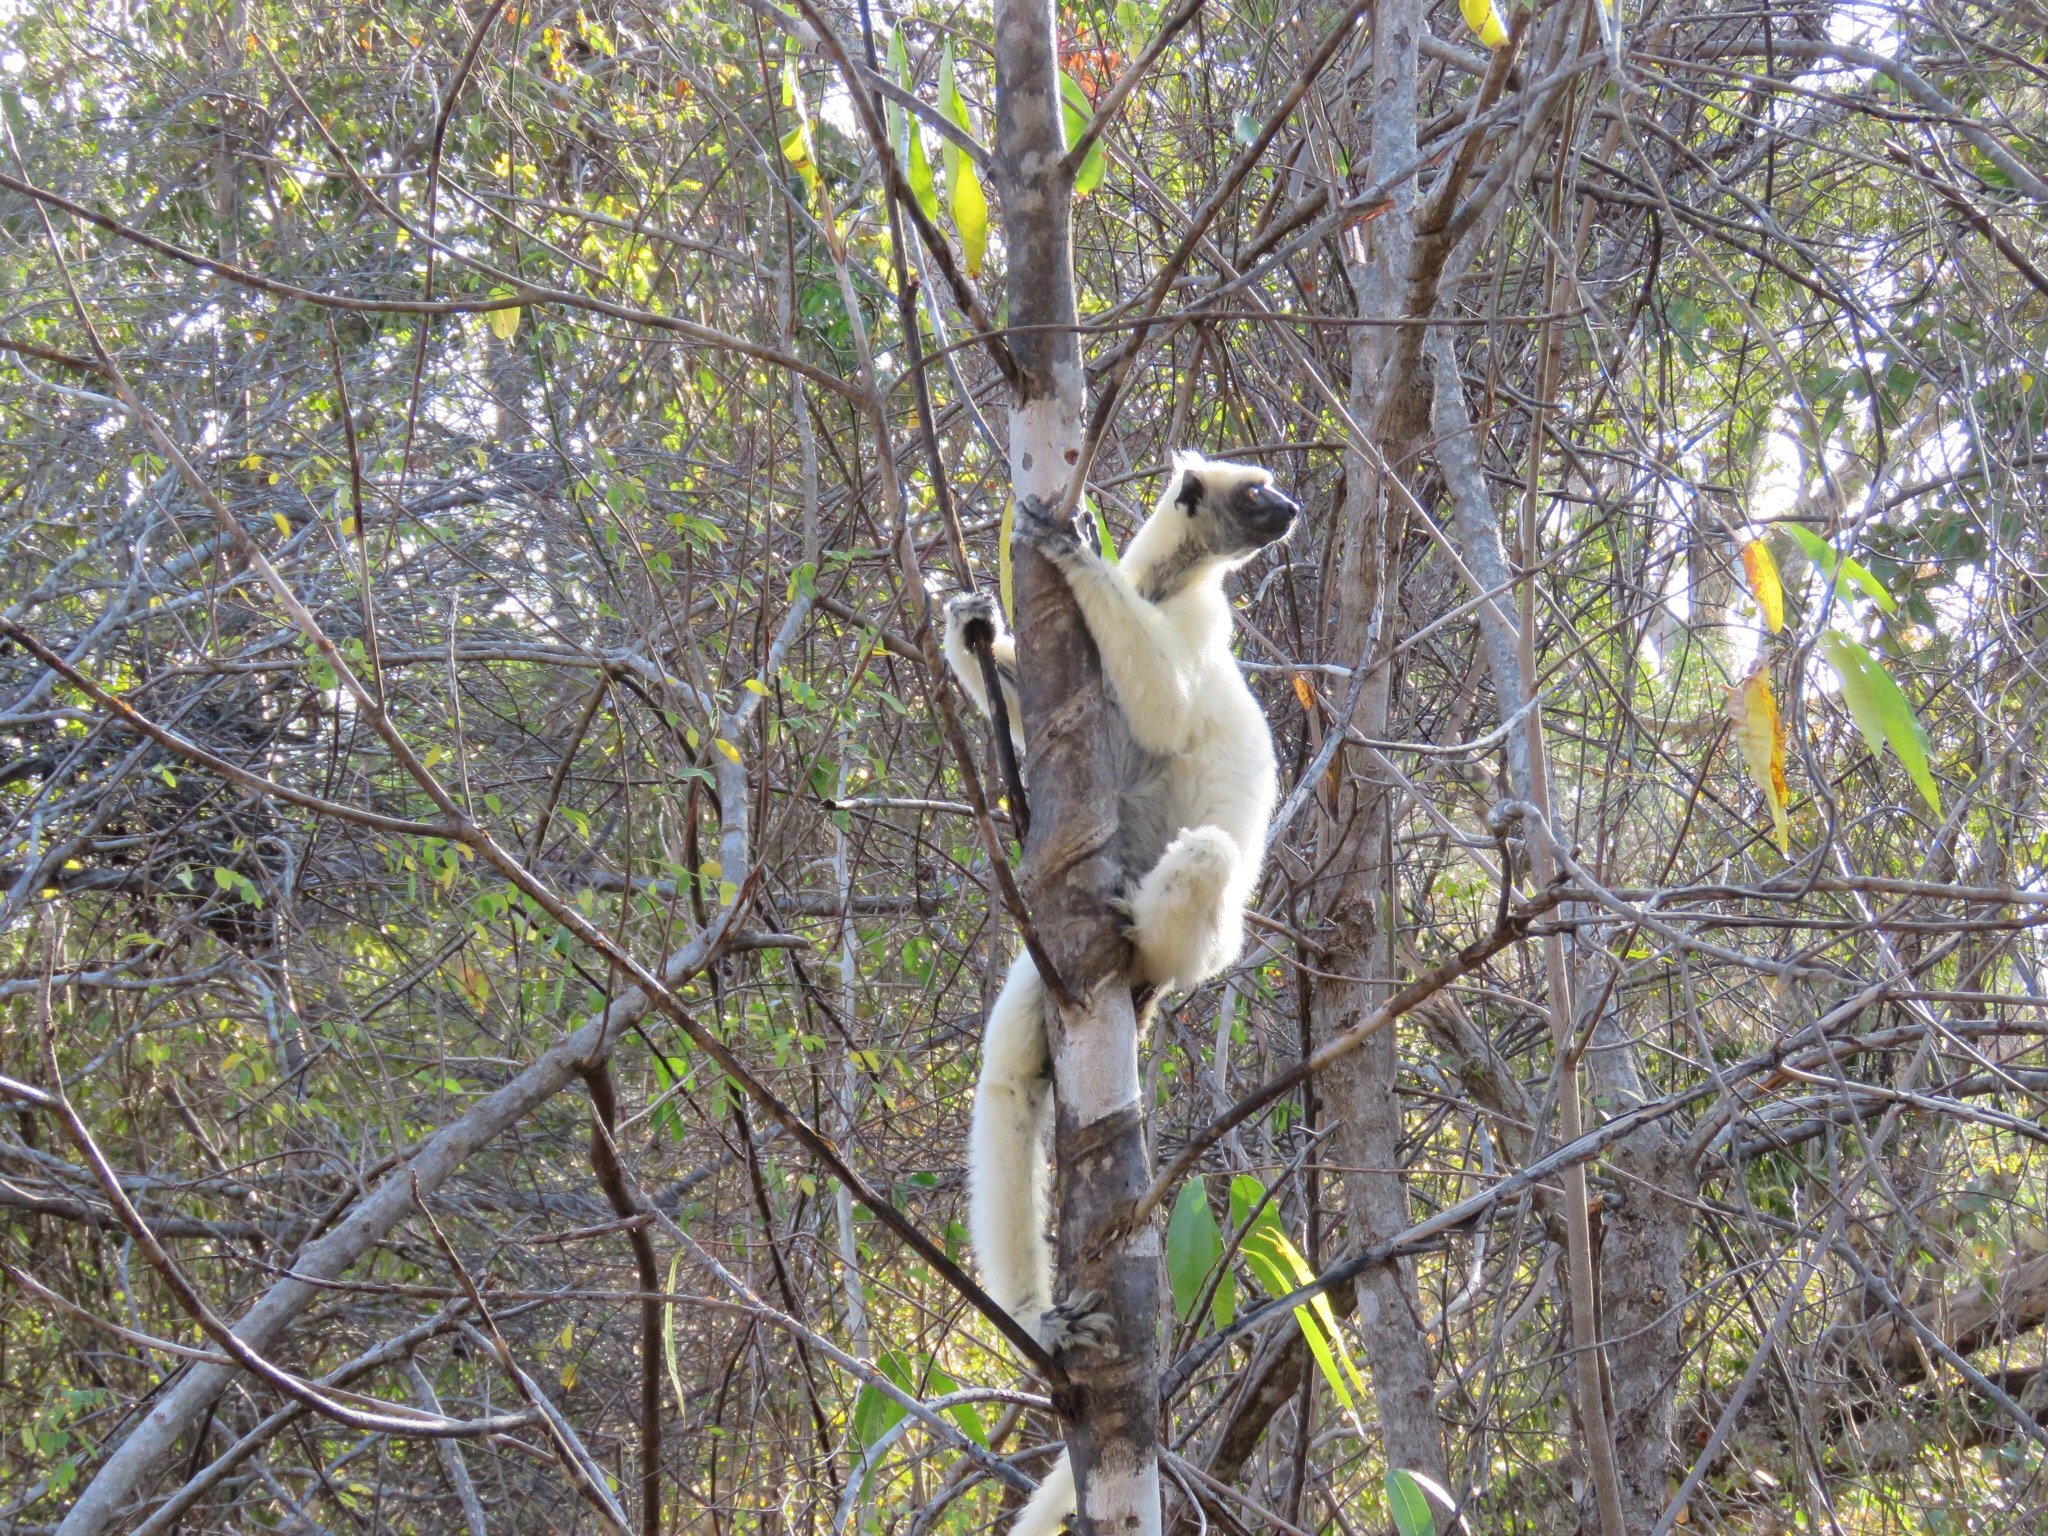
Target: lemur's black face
x=1244, y=516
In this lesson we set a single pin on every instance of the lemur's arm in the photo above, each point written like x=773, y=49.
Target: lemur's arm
x=964, y=610
x=1143, y=655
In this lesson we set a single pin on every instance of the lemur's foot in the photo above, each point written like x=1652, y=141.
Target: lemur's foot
x=967, y=611
x=1078, y=1321
x=1121, y=905
x=1045, y=531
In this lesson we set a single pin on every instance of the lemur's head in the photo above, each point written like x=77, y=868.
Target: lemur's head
x=1233, y=508
x=1212, y=516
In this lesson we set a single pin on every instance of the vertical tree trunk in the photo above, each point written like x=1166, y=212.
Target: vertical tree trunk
x=1390, y=399
x=1110, y=1409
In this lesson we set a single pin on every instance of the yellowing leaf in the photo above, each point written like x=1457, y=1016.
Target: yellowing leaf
x=963, y=186
x=568, y=1336
x=1305, y=693
x=1881, y=711
x=1005, y=562
x=1764, y=584
x=1280, y=1268
x=1485, y=22
x=668, y=1337
x=1761, y=736
x=569, y=1377
x=726, y=747
x=284, y=525
x=504, y=323
x=755, y=685
x=253, y=461
x=797, y=146
x=476, y=986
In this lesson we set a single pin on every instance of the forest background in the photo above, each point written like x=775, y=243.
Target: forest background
x=498, y=896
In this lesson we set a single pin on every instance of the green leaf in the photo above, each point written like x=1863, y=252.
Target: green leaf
x=964, y=1414
x=1881, y=711
x=1839, y=568
x=1103, y=536
x=1194, y=1244
x=907, y=134
x=875, y=1412
x=1079, y=112
x=963, y=186
x=1408, y=1504
x=668, y=1071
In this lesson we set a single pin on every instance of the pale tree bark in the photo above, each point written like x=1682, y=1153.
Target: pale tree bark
x=1109, y=1408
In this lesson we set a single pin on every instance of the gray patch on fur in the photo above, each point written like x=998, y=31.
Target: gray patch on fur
x=1173, y=574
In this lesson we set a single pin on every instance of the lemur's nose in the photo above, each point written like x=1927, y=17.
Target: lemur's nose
x=1269, y=506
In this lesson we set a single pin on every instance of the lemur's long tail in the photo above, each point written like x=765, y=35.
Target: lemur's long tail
x=1053, y=1502
x=1006, y=1163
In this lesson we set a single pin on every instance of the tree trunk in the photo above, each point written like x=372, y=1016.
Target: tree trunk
x=1365, y=1112
x=1110, y=1406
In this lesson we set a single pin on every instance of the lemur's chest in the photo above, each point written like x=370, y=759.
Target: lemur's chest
x=1224, y=778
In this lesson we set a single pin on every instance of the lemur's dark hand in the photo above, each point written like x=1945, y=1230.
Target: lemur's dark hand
x=1079, y=1322
x=1045, y=531
x=973, y=616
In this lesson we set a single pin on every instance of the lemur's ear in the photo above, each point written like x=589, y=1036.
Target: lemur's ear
x=1190, y=493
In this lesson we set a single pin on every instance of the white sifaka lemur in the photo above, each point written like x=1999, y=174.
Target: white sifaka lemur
x=1196, y=789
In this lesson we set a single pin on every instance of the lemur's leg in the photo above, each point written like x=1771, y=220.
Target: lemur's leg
x=1186, y=918
x=963, y=610
x=1053, y=1502
x=1006, y=1162
x=1141, y=651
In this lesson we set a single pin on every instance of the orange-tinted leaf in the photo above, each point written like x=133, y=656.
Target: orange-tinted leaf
x=1760, y=733
x=1764, y=583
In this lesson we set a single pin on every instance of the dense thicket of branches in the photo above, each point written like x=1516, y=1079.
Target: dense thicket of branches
x=497, y=900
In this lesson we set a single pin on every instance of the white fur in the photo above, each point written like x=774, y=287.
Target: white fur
x=1196, y=806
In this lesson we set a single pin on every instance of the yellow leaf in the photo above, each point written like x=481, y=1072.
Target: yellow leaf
x=1306, y=694
x=568, y=1336
x=283, y=523
x=253, y=461
x=755, y=685
x=1485, y=22
x=726, y=747
x=1769, y=591
x=1005, y=564
x=569, y=1377
x=1760, y=733
x=476, y=986
x=505, y=322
